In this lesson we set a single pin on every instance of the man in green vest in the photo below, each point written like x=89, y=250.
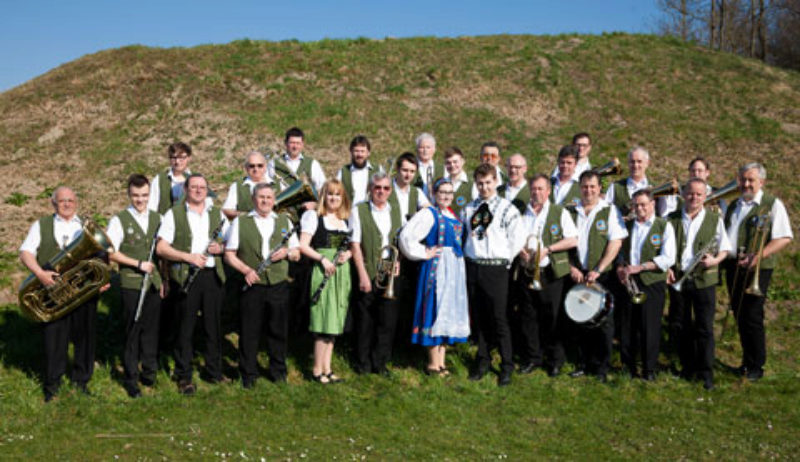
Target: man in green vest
x=620, y=192
x=166, y=188
x=133, y=233
x=258, y=236
x=46, y=237
x=190, y=238
x=583, y=143
x=463, y=187
x=550, y=234
x=566, y=189
x=355, y=175
x=647, y=254
x=405, y=195
x=490, y=154
x=755, y=212
x=700, y=239
x=516, y=187
x=428, y=170
x=600, y=235
x=239, y=199
x=374, y=224
x=293, y=164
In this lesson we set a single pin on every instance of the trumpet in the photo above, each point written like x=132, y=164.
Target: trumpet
x=637, y=296
x=710, y=247
x=612, y=167
x=531, y=266
x=385, y=274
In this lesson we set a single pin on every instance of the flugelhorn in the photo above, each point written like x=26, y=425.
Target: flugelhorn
x=760, y=236
x=612, y=167
x=385, y=274
x=637, y=296
x=531, y=266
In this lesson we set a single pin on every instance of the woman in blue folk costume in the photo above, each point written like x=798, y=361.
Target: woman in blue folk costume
x=441, y=314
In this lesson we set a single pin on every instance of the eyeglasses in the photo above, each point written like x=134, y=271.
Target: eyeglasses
x=490, y=156
x=582, y=145
x=255, y=165
x=445, y=193
x=183, y=157
x=385, y=188
x=515, y=166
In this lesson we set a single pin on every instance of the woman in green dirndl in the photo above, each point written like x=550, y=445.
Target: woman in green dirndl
x=323, y=235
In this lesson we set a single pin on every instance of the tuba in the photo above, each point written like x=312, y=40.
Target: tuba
x=294, y=196
x=81, y=275
x=612, y=167
x=384, y=276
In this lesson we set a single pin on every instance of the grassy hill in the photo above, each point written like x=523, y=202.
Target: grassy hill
x=91, y=122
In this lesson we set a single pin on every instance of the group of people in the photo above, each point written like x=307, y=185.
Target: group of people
x=426, y=251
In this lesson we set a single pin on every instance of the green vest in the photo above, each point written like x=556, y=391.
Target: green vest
x=573, y=197
x=48, y=247
x=347, y=180
x=165, y=192
x=438, y=172
x=371, y=235
x=413, y=200
x=553, y=232
x=136, y=244
x=250, y=242
x=461, y=197
x=621, y=197
x=522, y=198
x=650, y=250
x=748, y=226
x=284, y=171
x=703, y=277
x=183, y=241
x=598, y=237
x=244, y=197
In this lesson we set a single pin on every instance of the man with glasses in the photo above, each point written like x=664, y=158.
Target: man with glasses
x=167, y=187
x=490, y=154
x=239, y=199
x=516, y=188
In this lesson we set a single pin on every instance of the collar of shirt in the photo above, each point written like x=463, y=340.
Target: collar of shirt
x=386, y=208
x=510, y=188
x=257, y=216
x=600, y=205
x=491, y=200
x=424, y=165
x=559, y=183
x=135, y=213
x=206, y=207
x=399, y=190
x=460, y=178
x=288, y=158
x=645, y=224
x=687, y=220
x=635, y=186
x=353, y=168
x=756, y=199
x=171, y=174
x=74, y=219
x=543, y=213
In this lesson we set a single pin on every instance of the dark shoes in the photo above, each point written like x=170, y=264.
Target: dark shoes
x=83, y=389
x=754, y=375
x=477, y=374
x=133, y=391
x=601, y=377
x=708, y=384
x=147, y=382
x=554, y=371
x=577, y=373
x=504, y=379
x=248, y=384
x=527, y=368
x=649, y=376
x=186, y=388
x=49, y=396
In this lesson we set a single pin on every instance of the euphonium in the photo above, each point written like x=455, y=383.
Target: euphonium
x=727, y=192
x=760, y=237
x=81, y=275
x=384, y=276
x=612, y=167
x=297, y=194
x=532, y=269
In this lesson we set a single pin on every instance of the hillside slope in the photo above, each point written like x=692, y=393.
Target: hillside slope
x=93, y=121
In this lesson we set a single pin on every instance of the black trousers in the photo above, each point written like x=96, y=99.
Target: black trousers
x=300, y=294
x=141, y=338
x=487, y=288
x=376, y=323
x=541, y=340
x=79, y=327
x=204, y=297
x=641, y=326
x=264, y=307
x=594, y=343
x=406, y=291
x=749, y=312
x=696, y=329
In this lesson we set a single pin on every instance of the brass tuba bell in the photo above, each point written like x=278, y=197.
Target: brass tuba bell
x=612, y=167
x=81, y=275
x=667, y=189
x=294, y=196
x=727, y=192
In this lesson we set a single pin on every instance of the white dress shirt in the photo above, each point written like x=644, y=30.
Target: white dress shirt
x=232, y=201
x=616, y=228
x=579, y=168
x=424, y=168
x=382, y=217
x=533, y=223
x=403, y=199
x=155, y=189
x=310, y=221
x=360, y=179
x=265, y=226
x=199, y=226
x=690, y=229
x=666, y=255
x=504, y=237
x=512, y=191
x=560, y=189
x=115, y=232
x=780, y=219
x=317, y=175
x=64, y=232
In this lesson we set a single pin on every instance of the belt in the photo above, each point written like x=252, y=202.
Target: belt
x=489, y=261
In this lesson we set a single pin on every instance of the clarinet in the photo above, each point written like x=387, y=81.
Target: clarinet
x=265, y=263
x=143, y=290
x=339, y=250
x=194, y=270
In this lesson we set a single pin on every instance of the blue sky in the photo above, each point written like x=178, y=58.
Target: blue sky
x=38, y=35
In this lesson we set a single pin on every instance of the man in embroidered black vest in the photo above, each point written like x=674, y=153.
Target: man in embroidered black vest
x=566, y=189
x=166, y=188
x=428, y=170
x=254, y=237
x=551, y=229
x=463, y=188
x=493, y=237
x=695, y=230
x=647, y=254
x=293, y=164
x=132, y=233
x=374, y=224
x=45, y=239
x=188, y=240
x=621, y=191
x=600, y=235
x=355, y=175
x=239, y=200
x=742, y=219
x=490, y=154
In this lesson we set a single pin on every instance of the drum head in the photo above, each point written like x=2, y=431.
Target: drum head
x=583, y=304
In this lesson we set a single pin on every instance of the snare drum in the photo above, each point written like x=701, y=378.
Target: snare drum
x=589, y=305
